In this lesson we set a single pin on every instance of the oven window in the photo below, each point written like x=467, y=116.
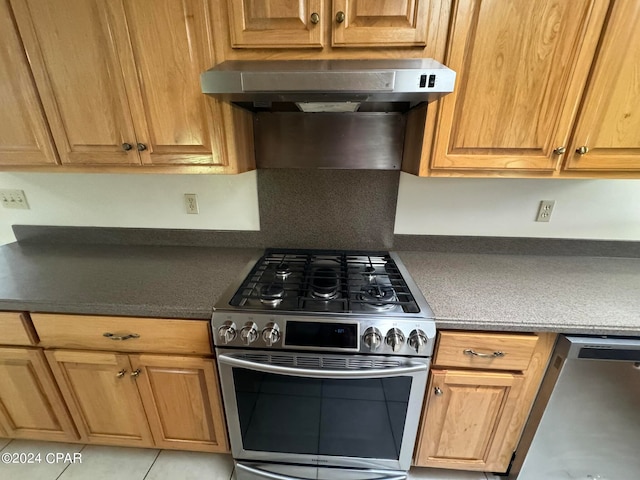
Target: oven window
x=351, y=418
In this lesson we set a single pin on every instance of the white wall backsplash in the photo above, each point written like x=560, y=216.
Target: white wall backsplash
x=226, y=202
x=585, y=209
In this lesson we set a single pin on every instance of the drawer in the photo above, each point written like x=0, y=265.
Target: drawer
x=123, y=334
x=489, y=351
x=16, y=329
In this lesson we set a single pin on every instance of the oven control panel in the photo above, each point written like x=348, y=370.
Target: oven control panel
x=388, y=336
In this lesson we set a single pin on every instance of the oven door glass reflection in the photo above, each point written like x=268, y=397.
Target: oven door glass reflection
x=343, y=417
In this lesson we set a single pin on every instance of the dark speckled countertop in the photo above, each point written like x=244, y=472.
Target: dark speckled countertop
x=570, y=294
x=151, y=281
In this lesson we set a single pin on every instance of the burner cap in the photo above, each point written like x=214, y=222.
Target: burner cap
x=379, y=298
x=271, y=294
x=369, y=273
x=325, y=283
x=283, y=270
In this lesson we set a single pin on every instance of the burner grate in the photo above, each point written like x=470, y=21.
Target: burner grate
x=325, y=281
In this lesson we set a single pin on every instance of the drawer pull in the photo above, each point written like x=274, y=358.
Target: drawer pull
x=468, y=351
x=120, y=337
x=121, y=373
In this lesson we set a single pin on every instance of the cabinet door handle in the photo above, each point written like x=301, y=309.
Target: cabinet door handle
x=469, y=351
x=560, y=150
x=113, y=336
x=583, y=150
x=315, y=18
x=135, y=373
x=142, y=147
x=437, y=391
x=126, y=147
x=121, y=373
x=340, y=17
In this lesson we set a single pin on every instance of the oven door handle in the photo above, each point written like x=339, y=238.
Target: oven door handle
x=410, y=369
x=259, y=473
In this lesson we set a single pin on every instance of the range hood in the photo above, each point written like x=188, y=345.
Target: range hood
x=340, y=114
x=259, y=84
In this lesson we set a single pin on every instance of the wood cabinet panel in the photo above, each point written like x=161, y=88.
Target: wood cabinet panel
x=75, y=62
x=521, y=67
x=609, y=118
x=467, y=415
x=17, y=329
x=275, y=23
x=30, y=404
x=167, y=384
x=127, y=334
x=493, y=351
x=381, y=23
x=171, y=44
x=102, y=397
x=24, y=133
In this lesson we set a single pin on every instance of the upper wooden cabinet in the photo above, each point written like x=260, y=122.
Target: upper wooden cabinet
x=608, y=124
x=274, y=23
x=382, y=23
x=521, y=68
x=350, y=23
x=119, y=80
x=24, y=134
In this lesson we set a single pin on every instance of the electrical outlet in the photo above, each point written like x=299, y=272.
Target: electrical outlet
x=546, y=208
x=191, y=202
x=14, y=199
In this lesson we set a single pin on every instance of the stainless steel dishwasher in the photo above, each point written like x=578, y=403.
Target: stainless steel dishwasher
x=585, y=422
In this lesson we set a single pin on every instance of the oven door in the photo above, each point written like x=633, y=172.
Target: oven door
x=354, y=411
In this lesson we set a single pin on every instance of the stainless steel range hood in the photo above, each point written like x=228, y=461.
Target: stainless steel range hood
x=262, y=82
x=345, y=114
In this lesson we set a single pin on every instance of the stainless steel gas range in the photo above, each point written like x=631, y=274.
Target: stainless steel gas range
x=323, y=359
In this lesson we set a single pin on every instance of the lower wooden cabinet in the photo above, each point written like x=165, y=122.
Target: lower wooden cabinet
x=182, y=401
x=480, y=391
x=467, y=419
x=30, y=404
x=102, y=396
x=166, y=401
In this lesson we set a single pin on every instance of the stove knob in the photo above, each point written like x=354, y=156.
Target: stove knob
x=395, y=339
x=372, y=338
x=418, y=340
x=227, y=332
x=249, y=333
x=271, y=334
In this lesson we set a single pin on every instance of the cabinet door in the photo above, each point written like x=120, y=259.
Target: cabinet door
x=275, y=23
x=30, y=404
x=169, y=383
x=166, y=46
x=609, y=119
x=24, y=133
x=102, y=396
x=521, y=68
x=383, y=23
x=71, y=48
x=466, y=416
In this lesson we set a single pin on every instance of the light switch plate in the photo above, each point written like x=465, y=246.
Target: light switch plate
x=14, y=199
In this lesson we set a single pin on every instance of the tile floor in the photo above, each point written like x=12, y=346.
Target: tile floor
x=118, y=463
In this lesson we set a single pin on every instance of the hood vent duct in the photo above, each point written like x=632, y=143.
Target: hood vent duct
x=348, y=114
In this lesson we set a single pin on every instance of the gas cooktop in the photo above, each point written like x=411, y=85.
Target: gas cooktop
x=325, y=300
x=326, y=281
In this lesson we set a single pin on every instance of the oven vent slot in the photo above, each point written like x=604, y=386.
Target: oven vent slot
x=334, y=363
x=309, y=362
x=282, y=360
x=320, y=362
